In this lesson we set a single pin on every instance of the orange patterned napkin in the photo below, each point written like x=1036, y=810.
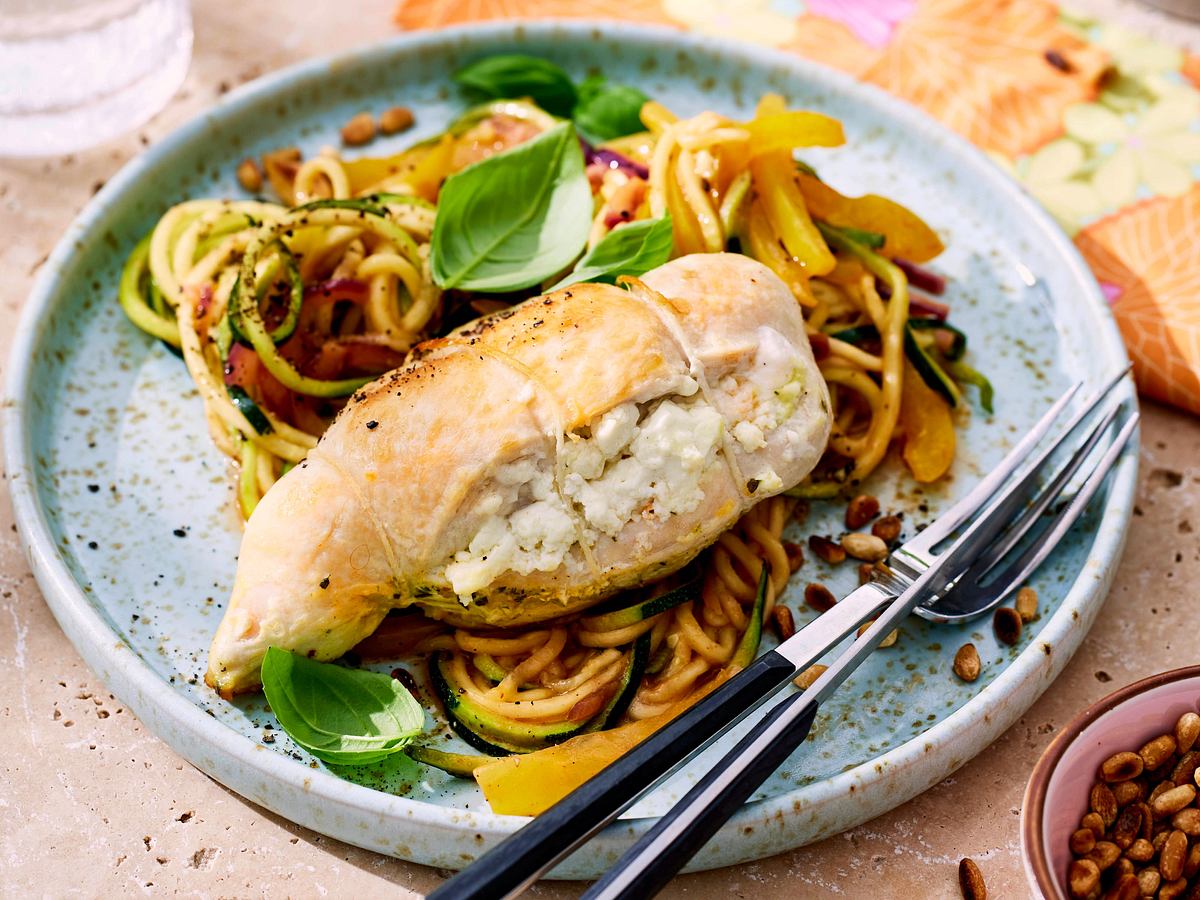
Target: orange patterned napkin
x=1101, y=124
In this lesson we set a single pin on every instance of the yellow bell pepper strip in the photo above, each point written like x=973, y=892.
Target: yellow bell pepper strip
x=785, y=131
x=420, y=170
x=907, y=236
x=367, y=171
x=928, y=428
x=788, y=214
x=531, y=783
x=762, y=244
x=688, y=237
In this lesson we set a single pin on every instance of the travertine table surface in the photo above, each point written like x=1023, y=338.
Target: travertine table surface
x=92, y=804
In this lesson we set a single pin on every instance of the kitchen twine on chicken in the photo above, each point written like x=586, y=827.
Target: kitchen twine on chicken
x=1099, y=123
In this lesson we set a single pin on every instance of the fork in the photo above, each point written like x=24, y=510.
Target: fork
x=997, y=514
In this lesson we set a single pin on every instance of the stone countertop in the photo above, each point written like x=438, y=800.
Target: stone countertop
x=93, y=804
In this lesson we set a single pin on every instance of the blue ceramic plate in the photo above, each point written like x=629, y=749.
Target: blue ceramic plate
x=128, y=514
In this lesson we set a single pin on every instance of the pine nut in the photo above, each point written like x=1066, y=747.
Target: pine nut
x=1103, y=803
x=819, y=597
x=249, y=175
x=1129, y=791
x=1147, y=819
x=396, y=119
x=1187, y=821
x=1027, y=603
x=1185, y=769
x=795, y=555
x=1121, y=767
x=1172, y=856
x=1148, y=881
x=785, y=625
x=887, y=529
x=1157, y=752
x=826, y=550
x=866, y=547
x=888, y=641
x=1127, y=827
x=970, y=880
x=1159, y=790
x=809, y=676
x=1172, y=801
x=1084, y=877
x=1083, y=840
x=966, y=662
x=1104, y=854
x=1007, y=623
x=1187, y=730
x=865, y=570
x=861, y=510
x=1140, y=850
x=359, y=130
x=1173, y=889
x=1093, y=823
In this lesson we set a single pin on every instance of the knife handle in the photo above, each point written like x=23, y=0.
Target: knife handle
x=508, y=868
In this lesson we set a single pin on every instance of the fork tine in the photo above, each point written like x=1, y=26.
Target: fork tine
x=1049, y=493
x=1033, y=556
x=951, y=520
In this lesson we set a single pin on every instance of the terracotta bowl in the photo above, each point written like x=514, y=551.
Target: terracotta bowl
x=1057, y=796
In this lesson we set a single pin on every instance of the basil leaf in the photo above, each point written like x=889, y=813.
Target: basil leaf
x=606, y=111
x=514, y=219
x=339, y=715
x=516, y=75
x=630, y=249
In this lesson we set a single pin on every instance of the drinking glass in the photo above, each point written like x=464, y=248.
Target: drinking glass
x=74, y=73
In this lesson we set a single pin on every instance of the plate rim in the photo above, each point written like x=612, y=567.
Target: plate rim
x=158, y=704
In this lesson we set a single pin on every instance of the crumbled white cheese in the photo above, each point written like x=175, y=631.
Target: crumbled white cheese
x=632, y=465
x=769, y=482
x=527, y=528
x=768, y=393
x=583, y=458
x=662, y=463
x=616, y=429
x=749, y=435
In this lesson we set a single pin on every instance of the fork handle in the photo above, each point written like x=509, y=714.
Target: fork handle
x=514, y=864
x=647, y=867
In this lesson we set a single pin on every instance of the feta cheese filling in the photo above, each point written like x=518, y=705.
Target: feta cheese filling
x=527, y=529
x=766, y=396
x=651, y=468
x=644, y=461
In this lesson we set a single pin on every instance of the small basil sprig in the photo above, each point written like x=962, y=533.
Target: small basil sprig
x=514, y=219
x=517, y=75
x=606, y=111
x=339, y=715
x=602, y=110
x=630, y=249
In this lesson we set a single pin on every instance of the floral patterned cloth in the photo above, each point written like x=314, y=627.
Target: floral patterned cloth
x=1099, y=123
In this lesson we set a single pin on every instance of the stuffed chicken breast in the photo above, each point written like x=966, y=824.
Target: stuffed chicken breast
x=535, y=463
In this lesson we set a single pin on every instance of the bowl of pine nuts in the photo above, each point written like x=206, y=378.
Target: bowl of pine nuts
x=1112, y=810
